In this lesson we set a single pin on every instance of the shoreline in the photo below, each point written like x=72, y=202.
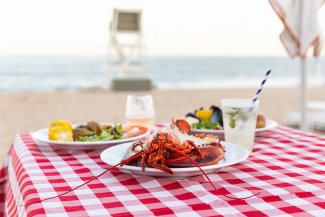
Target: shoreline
x=240, y=83
x=28, y=112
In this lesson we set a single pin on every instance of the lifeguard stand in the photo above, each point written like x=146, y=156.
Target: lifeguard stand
x=125, y=50
x=126, y=39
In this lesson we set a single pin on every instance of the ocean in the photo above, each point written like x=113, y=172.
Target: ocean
x=73, y=73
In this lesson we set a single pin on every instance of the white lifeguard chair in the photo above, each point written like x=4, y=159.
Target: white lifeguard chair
x=126, y=39
x=125, y=51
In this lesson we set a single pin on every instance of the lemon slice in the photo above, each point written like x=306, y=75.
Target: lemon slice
x=204, y=115
x=60, y=131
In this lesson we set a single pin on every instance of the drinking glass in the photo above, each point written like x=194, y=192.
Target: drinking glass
x=140, y=110
x=239, y=121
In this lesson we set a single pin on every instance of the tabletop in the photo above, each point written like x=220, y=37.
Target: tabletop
x=287, y=168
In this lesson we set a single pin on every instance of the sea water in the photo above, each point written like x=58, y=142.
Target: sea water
x=69, y=73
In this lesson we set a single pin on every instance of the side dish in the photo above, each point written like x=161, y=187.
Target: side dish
x=62, y=130
x=211, y=119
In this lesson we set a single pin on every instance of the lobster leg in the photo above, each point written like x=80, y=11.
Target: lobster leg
x=206, y=176
x=132, y=158
x=143, y=161
x=136, y=156
x=195, y=147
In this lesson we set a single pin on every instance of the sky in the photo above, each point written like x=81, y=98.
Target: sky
x=171, y=27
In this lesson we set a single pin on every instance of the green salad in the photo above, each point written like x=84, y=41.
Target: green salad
x=102, y=133
x=209, y=125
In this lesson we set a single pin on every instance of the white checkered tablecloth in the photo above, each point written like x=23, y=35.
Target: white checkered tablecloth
x=287, y=166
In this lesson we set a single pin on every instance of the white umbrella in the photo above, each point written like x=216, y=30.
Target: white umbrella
x=301, y=31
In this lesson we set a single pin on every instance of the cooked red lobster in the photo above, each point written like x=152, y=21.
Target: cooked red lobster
x=170, y=148
x=175, y=148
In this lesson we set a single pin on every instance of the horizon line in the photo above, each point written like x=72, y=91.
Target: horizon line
x=153, y=55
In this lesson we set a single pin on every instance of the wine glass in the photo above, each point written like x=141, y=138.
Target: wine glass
x=140, y=110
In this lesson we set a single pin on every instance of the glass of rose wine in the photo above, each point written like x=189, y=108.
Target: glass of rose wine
x=140, y=111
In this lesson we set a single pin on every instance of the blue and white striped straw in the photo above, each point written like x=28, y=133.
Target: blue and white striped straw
x=259, y=90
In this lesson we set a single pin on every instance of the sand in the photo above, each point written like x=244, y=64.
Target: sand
x=27, y=112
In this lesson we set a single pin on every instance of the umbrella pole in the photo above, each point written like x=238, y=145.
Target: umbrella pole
x=303, y=94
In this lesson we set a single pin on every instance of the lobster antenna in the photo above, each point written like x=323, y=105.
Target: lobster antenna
x=209, y=180
x=172, y=125
x=85, y=183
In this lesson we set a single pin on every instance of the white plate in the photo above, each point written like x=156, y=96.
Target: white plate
x=270, y=124
x=41, y=136
x=114, y=155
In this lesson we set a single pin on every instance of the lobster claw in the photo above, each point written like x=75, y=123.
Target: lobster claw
x=183, y=126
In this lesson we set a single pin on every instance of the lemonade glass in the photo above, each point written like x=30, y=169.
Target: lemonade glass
x=239, y=121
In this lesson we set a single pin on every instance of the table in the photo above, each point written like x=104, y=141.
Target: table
x=287, y=166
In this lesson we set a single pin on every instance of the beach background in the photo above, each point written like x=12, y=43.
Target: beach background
x=53, y=61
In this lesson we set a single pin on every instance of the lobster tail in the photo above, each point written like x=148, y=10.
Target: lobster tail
x=209, y=155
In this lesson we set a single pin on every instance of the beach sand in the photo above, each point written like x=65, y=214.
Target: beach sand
x=27, y=112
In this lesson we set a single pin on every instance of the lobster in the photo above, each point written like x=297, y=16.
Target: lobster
x=170, y=148
x=175, y=148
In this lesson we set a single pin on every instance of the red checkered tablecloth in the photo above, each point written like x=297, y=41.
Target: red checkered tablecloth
x=287, y=166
